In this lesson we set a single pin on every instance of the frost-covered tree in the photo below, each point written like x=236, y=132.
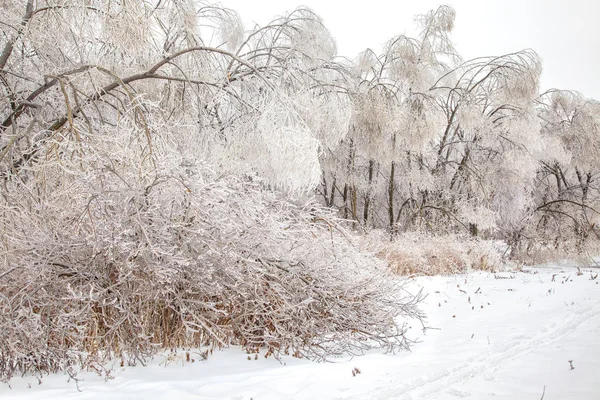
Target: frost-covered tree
x=568, y=193
x=394, y=119
x=490, y=149
x=231, y=91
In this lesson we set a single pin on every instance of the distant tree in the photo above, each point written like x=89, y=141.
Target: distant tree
x=444, y=145
x=568, y=192
x=490, y=149
x=395, y=117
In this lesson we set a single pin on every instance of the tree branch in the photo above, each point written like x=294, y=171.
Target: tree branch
x=8, y=48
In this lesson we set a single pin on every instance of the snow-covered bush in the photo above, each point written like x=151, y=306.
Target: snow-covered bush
x=102, y=258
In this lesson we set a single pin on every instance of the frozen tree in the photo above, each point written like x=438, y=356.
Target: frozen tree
x=568, y=194
x=490, y=149
x=394, y=120
x=111, y=55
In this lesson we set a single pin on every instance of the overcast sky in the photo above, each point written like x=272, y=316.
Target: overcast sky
x=565, y=33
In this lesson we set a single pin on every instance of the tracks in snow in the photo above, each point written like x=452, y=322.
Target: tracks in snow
x=490, y=361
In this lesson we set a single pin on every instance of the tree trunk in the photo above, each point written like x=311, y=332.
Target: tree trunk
x=332, y=196
x=345, y=198
x=369, y=193
x=391, y=196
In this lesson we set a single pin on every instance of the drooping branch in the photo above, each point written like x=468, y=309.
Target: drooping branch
x=548, y=204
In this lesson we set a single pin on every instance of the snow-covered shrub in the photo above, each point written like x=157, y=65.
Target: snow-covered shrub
x=105, y=254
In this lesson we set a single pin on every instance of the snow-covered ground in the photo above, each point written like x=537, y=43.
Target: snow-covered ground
x=529, y=335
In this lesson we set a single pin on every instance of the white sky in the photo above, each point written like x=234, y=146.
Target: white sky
x=565, y=33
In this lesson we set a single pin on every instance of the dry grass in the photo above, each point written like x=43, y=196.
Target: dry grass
x=565, y=249
x=421, y=254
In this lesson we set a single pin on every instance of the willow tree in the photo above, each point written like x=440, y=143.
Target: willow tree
x=490, y=149
x=440, y=144
x=394, y=119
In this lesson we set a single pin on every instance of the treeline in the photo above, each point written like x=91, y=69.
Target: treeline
x=444, y=145
x=414, y=138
